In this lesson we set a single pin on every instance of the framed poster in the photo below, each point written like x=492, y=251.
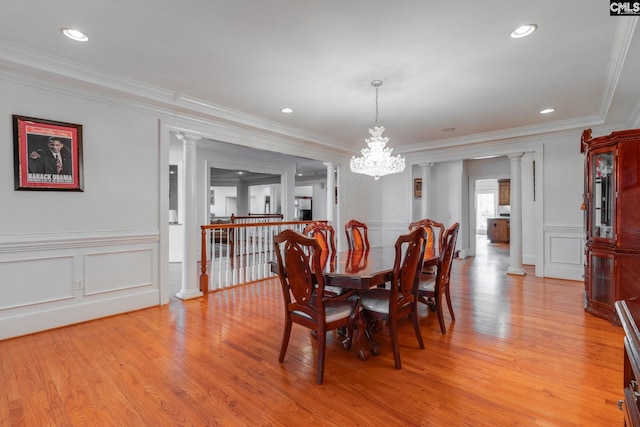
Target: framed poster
x=47, y=155
x=417, y=188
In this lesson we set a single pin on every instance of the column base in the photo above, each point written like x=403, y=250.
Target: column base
x=186, y=294
x=516, y=271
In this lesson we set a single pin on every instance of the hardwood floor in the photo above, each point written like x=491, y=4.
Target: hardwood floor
x=522, y=352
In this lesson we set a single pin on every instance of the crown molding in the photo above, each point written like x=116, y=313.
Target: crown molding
x=43, y=70
x=498, y=137
x=253, y=138
x=505, y=146
x=619, y=50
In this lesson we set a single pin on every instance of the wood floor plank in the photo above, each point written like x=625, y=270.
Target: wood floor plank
x=522, y=352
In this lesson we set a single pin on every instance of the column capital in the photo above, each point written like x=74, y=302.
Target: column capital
x=515, y=156
x=426, y=165
x=187, y=138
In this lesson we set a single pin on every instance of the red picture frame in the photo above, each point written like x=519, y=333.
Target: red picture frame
x=47, y=155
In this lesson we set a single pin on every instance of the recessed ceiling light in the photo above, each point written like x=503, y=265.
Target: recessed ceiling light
x=547, y=110
x=524, y=31
x=76, y=35
x=287, y=110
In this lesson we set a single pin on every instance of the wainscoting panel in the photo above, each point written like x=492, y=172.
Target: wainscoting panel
x=115, y=271
x=52, y=278
x=374, y=236
x=387, y=236
x=564, y=252
x=391, y=235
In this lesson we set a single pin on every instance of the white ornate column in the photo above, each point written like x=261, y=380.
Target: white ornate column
x=190, y=283
x=515, y=245
x=425, y=205
x=331, y=185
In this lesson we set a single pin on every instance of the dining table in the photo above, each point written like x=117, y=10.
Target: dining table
x=362, y=270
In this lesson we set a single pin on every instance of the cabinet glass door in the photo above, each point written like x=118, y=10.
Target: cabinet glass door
x=603, y=195
x=602, y=279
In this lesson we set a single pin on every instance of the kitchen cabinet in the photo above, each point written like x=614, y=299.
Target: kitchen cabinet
x=498, y=230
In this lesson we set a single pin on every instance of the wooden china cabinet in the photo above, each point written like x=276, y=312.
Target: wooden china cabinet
x=612, y=220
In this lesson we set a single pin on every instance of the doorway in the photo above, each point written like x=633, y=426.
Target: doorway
x=486, y=203
x=485, y=209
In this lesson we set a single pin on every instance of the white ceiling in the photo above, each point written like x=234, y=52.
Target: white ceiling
x=444, y=64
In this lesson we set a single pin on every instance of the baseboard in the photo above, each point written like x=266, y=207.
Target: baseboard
x=50, y=318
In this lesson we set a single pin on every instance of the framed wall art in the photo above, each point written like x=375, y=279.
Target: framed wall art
x=417, y=188
x=47, y=155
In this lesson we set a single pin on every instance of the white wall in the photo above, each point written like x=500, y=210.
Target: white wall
x=355, y=201
x=319, y=198
x=447, y=185
x=71, y=256
x=448, y=179
x=221, y=194
x=257, y=197
x=564, y=178
x=563, y=219
x=383, y=204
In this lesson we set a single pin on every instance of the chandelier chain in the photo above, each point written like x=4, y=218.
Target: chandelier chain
x=376, y=105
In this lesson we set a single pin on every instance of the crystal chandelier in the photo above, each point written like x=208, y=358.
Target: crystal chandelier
x=376, y=160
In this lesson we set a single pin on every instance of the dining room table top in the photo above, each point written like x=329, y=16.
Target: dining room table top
x=364, y=269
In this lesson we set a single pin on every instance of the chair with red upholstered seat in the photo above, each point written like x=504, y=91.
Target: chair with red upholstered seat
x=305, y=302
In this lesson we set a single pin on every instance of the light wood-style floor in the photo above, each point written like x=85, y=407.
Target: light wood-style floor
x=522, y=352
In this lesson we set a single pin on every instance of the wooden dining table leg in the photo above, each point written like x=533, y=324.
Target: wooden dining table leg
x=376, y=349
x=360, y=330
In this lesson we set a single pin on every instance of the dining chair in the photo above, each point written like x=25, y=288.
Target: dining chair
x=357, y=235
x=325, y=235
x=433, y=287
x=435, y=233
x=392, y=304
x=299, y=259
